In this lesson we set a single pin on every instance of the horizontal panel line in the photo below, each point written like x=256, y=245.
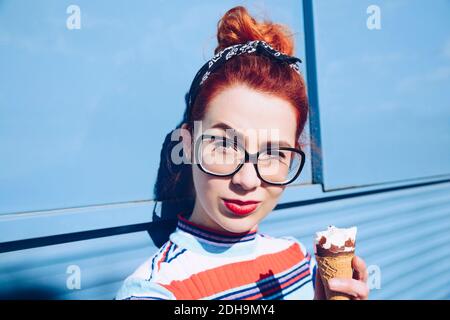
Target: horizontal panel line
x=356, y=194
x=74, y=208
x=404, y=181
x=7, y=215
x=85, y=207
x=106, y=232
x=71, y=237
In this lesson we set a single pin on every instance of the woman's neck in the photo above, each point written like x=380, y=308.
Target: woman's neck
x=200, y=217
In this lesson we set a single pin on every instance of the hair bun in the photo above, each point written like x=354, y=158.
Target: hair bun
x=238, y=26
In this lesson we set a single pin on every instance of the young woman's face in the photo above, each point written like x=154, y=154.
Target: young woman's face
x=256, y=115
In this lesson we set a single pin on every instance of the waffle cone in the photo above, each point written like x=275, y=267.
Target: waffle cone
x=335, y=266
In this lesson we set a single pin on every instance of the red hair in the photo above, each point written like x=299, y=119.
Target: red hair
x=257, y=72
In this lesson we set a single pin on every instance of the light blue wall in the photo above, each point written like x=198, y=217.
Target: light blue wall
x=384, y=94
x=83, y=114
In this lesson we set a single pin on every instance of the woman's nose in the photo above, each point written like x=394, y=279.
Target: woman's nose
x=247, y=177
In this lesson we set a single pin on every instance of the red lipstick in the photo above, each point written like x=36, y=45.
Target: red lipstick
x=240, y=207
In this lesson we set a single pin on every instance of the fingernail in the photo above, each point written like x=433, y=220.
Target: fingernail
x=335, y=283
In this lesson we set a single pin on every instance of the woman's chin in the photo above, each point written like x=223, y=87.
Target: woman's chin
x=236, y=224
x=239, y=229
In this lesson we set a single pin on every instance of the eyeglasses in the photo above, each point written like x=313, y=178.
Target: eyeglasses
x=222, y=157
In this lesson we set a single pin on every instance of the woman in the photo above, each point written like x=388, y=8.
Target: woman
x=250, y=102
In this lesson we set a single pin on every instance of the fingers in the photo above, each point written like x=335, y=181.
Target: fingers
x=356, y=288
x=359, y=269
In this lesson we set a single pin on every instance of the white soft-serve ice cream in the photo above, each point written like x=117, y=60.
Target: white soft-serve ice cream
x=335, y=240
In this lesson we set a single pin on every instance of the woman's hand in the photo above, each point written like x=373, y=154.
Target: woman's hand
x=356, y=288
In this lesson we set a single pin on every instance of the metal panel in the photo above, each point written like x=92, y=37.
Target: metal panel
x=84, y=113
x=41, y=273
x=405, y=233
x=14, y=227
x=401, y=232
x=82, y=187
x=382, y=93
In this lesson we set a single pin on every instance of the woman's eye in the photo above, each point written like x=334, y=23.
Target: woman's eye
x=275, y=153
x=225, y=144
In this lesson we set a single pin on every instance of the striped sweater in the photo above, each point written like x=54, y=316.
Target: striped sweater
x=201, y=263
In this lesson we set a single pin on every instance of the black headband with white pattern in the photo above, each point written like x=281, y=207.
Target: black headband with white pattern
x=255, y=46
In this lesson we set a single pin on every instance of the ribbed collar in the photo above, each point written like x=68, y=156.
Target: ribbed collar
x=212, y=236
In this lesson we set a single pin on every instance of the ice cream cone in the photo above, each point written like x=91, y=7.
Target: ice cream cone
x=334, y=251
x=335, y=266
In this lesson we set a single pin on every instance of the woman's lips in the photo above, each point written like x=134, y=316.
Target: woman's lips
x=241, y=207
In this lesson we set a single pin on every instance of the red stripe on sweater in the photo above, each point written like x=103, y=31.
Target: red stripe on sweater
x=237, y=274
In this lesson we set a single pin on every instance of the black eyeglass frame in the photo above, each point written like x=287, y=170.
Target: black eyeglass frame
x=247, y=158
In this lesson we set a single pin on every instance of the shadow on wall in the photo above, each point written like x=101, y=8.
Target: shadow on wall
x=173, y=189
x=26, y=277
x=162, y=226
x=22, y=292
x=173, y=194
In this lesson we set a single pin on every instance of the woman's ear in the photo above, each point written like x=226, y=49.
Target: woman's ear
x=187, y=142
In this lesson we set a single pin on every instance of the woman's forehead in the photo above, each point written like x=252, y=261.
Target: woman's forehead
x=246, y=135
x=251, y=112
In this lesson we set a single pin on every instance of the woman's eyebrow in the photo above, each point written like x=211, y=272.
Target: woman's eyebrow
x=223, y=126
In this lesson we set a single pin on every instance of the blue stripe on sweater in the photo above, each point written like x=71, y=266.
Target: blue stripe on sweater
x=259, y=283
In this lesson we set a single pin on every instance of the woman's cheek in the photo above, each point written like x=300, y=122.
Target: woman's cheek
x=273, y=195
